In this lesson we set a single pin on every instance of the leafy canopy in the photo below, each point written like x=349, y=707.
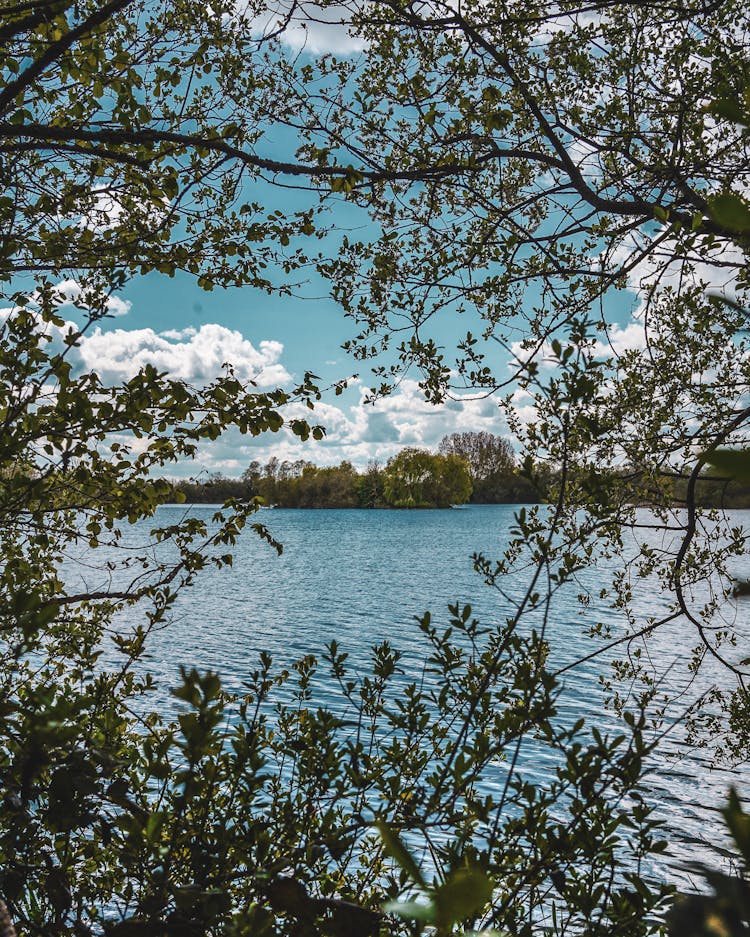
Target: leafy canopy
x=519, y=163
x=417, y=478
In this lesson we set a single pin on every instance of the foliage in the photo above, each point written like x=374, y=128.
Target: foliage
x=302, y=484
x=255, y=816
x=492, y=464
x=484, y=453
x=415, y=478
x=306, y=486
x=537, y=164
x=131, y=142
x=215, y=489
x=128, y=138
x=464, y=893
x=534, y=174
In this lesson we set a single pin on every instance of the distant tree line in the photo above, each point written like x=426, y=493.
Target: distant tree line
x=475, y=467
x=712, y=491
x=471, y=466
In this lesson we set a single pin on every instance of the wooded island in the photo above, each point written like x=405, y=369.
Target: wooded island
x=469, y=467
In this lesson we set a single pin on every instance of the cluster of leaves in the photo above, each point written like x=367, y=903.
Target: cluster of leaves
x=258, y=814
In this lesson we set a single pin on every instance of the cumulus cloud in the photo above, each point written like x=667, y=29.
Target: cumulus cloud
x=193, y=355
x=358, y=432
x=196, y=356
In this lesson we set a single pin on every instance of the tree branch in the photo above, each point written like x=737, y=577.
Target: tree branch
x=56, y=49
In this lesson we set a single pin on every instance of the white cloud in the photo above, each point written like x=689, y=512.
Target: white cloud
x=105, y=212
x=72, y=295
x=110, y=209
x=311, y=27
x=716, y=270
x=358, y=432
x=622, y=338
x=195, y=356
x=178, y=334
x=617, y=340
x=553, y=25
x=117, y=306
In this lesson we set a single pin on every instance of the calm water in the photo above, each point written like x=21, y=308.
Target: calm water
x=361, y=576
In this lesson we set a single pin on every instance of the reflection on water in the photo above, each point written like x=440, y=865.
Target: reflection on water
x=361, y=576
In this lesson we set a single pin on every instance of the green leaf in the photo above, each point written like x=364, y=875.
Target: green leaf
x=413, y=910
x=734, y=463
x=739, y=824
x=398, y=851
x=464, y=893
x=731, y=211
x=729, y=109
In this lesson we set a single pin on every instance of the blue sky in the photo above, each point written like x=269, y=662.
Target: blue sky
x=274, y=339
x=190, y=333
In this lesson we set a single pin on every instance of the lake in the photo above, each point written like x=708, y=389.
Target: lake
x=361, y=576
